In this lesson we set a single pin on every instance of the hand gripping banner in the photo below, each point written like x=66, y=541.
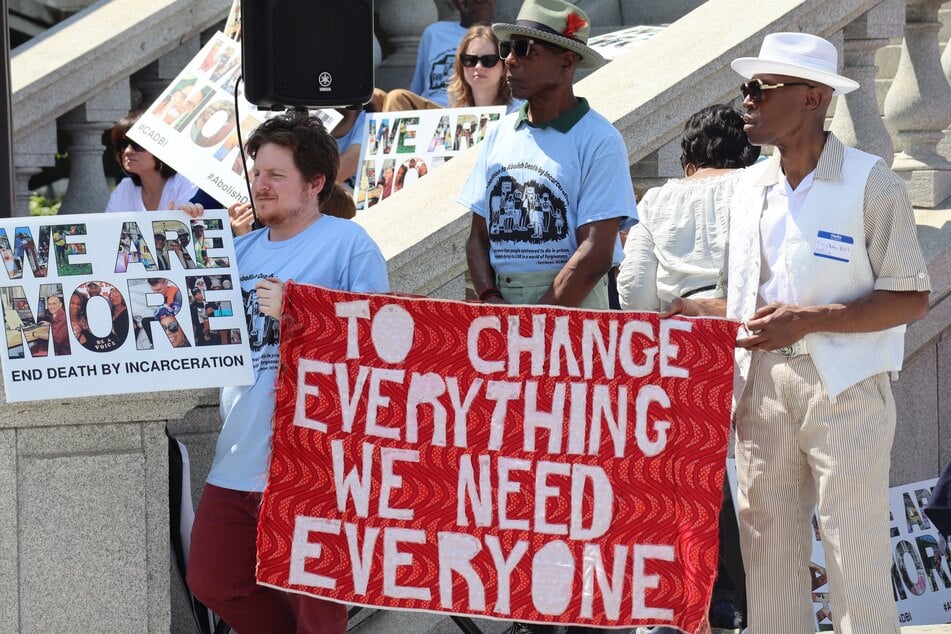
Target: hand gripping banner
x=526, y=463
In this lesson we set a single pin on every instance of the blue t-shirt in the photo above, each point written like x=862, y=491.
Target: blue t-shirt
x=355, y=136
x=435, y=61
x=331, y=252
x=536, y=185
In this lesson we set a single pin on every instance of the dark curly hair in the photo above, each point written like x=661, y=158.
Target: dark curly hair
x=714, y=137
x=117, y=135
x=315, y=151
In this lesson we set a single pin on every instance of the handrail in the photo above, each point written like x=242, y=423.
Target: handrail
x=104, y=44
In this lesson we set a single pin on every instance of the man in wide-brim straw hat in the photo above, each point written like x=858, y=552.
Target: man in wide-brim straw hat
x=551, y=187
x=825, y=270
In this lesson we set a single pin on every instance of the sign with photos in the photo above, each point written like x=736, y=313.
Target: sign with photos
x=402, y=147
x=121, y=302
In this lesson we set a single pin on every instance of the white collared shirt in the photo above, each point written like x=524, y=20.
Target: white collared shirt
x=782, y=207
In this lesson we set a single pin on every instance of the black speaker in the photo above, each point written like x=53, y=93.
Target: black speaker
x=307, y=52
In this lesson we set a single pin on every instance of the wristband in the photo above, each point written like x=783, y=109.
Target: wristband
x=489, y=293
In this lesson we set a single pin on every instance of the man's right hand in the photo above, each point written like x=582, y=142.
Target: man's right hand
x=242, y=218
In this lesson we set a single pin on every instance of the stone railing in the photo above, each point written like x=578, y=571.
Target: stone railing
x=84, y=539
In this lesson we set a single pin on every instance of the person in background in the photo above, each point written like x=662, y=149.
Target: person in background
x=434, y=60
x=478, y=78
x=677, y=247
x=173, y=330
x=677, y=250
x=349, y=135
x=120, y=315
x=150, y=185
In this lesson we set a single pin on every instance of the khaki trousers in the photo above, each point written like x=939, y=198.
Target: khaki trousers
x=797, y=452
x=528, y=288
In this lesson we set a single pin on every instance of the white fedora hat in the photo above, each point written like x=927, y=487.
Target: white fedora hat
x=801, y=55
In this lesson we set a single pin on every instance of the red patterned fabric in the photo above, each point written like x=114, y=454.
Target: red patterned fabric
x=616, y=532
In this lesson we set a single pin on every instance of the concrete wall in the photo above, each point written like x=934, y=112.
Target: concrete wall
x=84, y=513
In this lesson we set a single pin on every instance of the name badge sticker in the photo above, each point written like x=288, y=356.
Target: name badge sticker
x=834, y=246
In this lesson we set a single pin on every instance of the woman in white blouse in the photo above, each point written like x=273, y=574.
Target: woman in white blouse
x=677, y=248
x=150, y=185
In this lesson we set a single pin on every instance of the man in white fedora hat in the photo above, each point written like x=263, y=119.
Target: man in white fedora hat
x=824, y=270
x=551, y=187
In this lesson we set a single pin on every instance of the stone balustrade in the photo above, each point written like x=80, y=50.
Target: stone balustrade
x=85, y=536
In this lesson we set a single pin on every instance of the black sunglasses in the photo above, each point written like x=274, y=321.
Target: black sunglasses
x=171, y=327
x=488, y=61
x=519, y=48
x=124, y=143
x=753, y=89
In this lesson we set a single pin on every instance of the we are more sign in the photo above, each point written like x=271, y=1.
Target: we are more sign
x=121, y=302
x=519, y=463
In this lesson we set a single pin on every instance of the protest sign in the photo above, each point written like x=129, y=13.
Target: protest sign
x=193, y=126
x=921, y=565
x=402, y=147
x=121, y=302
x=529, y=463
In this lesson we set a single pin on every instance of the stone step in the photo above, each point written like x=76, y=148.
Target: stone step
x=371, y=621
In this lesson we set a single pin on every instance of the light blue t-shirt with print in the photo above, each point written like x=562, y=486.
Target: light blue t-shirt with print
x=535, y=185
x=435, y=61
x=331, y=252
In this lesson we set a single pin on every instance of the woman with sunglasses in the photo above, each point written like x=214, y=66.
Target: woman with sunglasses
x=479, y=75
x=151, y=184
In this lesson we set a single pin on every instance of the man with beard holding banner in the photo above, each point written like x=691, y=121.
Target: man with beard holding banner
x=295, y=165
x=551, y=188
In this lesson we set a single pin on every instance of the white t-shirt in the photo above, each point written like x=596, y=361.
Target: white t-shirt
x=128, y=196
x=435, y=61
x=536, y=185
x=331, y=252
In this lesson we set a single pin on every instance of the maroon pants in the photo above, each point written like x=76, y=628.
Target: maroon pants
x=221, y=572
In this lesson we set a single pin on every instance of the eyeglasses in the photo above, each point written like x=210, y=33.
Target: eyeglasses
x=171, y=327
x=488, y=61
x=753, y=89
x=124, y=143
x=519, y=48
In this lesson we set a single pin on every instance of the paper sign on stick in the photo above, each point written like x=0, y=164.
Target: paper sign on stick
x=512, y=462
x=193, y=127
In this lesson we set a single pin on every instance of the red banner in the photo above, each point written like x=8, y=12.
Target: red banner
x=512, y=462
